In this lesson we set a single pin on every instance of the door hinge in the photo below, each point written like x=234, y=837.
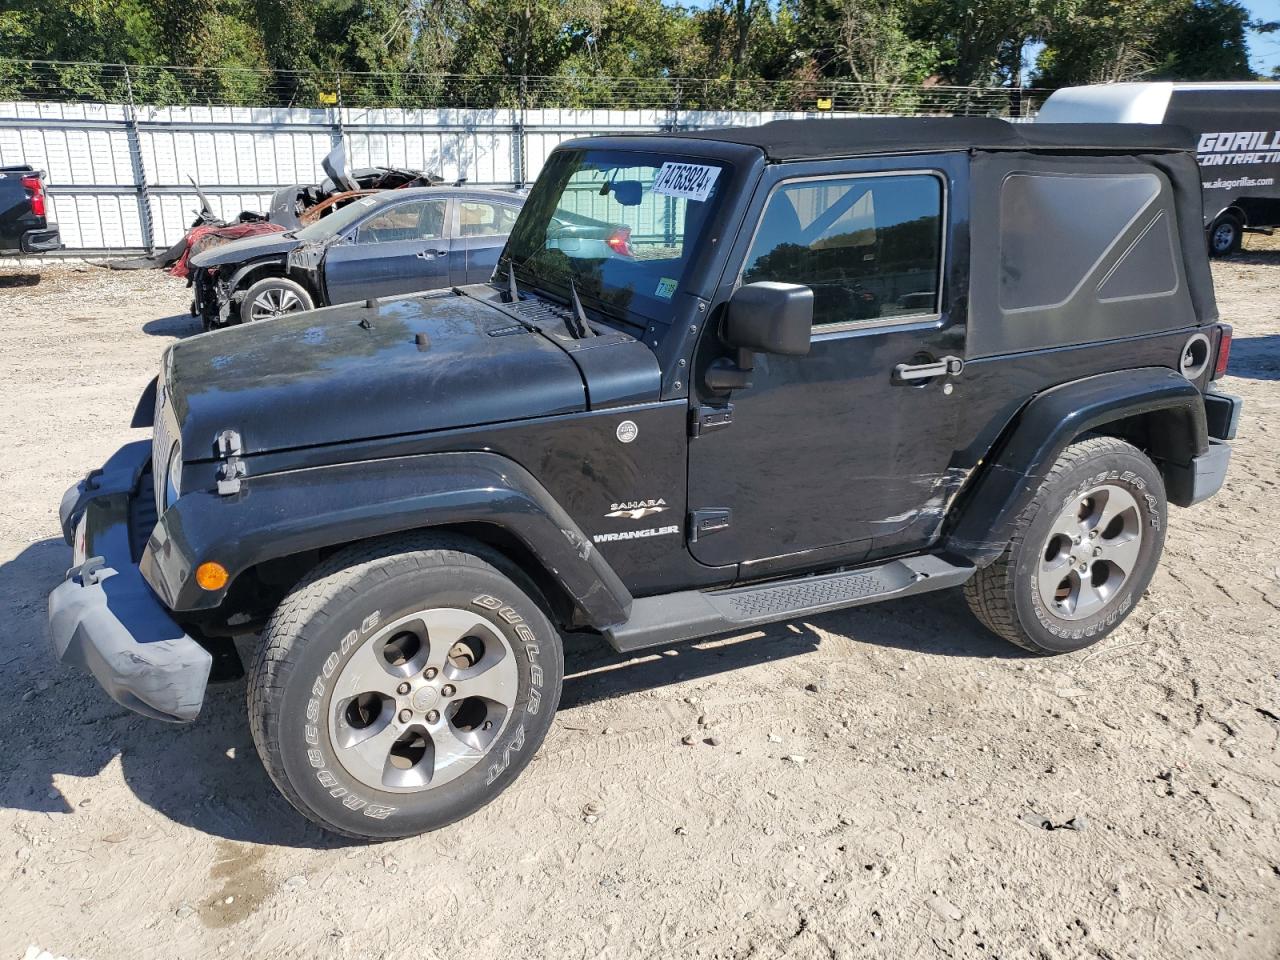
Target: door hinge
x=709, y=520
x=704, y=419
x=232, y=467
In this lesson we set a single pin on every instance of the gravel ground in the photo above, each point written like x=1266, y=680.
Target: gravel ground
x=859, y=784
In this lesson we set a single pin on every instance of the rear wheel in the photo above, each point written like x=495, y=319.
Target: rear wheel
x=273, y=297
x=1225, y=235
x=1082, y=553
x=402, y=686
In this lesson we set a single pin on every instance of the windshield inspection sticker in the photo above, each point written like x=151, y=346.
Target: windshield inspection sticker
x=692, y=181
x=666, y=288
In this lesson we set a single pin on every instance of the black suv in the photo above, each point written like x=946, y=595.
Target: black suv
x=718, y=379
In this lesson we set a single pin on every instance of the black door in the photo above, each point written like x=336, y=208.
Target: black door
x=400, y=248
x=845, y=450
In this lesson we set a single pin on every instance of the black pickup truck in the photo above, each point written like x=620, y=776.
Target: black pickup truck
x=795, y=368
x=24, y=224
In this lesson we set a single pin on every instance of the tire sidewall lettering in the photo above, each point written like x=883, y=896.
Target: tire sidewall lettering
x=1066, y=630
x=316, y=756
x=314, y=732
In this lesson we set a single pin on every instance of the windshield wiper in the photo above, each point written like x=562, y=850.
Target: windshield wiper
x=583, y=329
x=513, y=292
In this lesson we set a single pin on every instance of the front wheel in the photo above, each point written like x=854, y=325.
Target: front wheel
x=273, y=297
x=403, y=685
x=1082, y=553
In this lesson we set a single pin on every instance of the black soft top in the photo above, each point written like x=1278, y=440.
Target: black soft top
x=826, y=139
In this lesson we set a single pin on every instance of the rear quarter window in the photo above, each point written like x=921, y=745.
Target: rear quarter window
x=1056, y=231
x=1071, y=250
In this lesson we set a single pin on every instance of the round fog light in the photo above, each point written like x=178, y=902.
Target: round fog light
x=212, y=576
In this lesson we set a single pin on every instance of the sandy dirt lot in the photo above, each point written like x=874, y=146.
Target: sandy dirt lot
x=882, y=812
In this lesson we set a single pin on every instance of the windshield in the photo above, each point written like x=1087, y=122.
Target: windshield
x=337, y=221
x=621, y=225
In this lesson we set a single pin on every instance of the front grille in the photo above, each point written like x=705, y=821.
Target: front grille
x=143, y=517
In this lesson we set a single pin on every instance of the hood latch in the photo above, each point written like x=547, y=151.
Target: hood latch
x=232, y=469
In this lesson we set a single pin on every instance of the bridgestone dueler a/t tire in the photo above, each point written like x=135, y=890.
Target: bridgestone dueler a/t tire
x=1004, y=595
x=302, y=653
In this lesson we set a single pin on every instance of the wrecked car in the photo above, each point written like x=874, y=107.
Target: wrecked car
x=393, y=242
x=398, y=508
x=291, y=207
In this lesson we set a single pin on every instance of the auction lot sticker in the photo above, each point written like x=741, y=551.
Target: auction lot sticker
x=693, y=181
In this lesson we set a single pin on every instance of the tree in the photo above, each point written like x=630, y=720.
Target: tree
x=867, y=41
x=981, y=42
x=1206, y=40
x=1104, y=42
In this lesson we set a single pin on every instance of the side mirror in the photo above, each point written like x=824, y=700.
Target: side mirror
x=769, y=317
x=763, y=317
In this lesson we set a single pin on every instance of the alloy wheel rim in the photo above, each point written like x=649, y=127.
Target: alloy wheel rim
x=274, y=302
x=422, y=701
x=1090, y=552
x=1224, y=236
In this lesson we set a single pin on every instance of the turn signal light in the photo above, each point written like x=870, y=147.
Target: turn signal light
x=1224, y=353
x=212, y=576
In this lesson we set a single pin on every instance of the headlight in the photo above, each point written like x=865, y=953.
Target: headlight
x=173, y=477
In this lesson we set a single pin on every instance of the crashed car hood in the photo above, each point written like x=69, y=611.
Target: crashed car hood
x=355, y=372
x=249, y=248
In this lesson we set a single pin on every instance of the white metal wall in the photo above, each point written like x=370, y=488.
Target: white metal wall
x=119, y=179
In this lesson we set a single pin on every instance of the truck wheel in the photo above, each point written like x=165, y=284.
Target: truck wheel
x=1082, y=553
x=1225, y=235
x=403, y=685
x=273, y=297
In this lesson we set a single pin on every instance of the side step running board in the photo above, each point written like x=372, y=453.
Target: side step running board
x=672, y=617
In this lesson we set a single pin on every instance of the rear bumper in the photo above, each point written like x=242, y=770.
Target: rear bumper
x=106, y=619
x=1201, y=478
x=41, y=241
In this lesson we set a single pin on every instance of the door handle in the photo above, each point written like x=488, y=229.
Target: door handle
x=942, y=367
x=430, y=254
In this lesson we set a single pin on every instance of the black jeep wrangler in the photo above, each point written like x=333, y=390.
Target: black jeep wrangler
x=718, y=379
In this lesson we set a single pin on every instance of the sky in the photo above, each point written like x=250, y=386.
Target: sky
x=1264, y=50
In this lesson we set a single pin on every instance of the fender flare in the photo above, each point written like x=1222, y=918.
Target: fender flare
x=1232, y=207
x=283, y=514
x=987, y=512
x=144, y=411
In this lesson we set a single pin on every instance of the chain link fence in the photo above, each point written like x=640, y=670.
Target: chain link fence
x=167, y=86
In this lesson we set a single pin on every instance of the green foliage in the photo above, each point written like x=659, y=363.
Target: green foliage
x=873, y=54
x=1205, y=40
x=1104, y=41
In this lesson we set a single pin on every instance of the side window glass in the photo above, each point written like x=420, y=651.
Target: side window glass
x=870, y=248
x=480, y=219
x=414, y=220
x=1039, y=271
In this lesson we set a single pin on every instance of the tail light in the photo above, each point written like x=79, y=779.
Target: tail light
x=620, y=242
x=33, y=183
x=1224, y=353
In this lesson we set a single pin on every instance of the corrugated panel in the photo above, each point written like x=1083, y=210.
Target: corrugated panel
x=241, y=153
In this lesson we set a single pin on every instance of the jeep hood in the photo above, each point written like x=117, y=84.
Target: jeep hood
x=355, y=372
